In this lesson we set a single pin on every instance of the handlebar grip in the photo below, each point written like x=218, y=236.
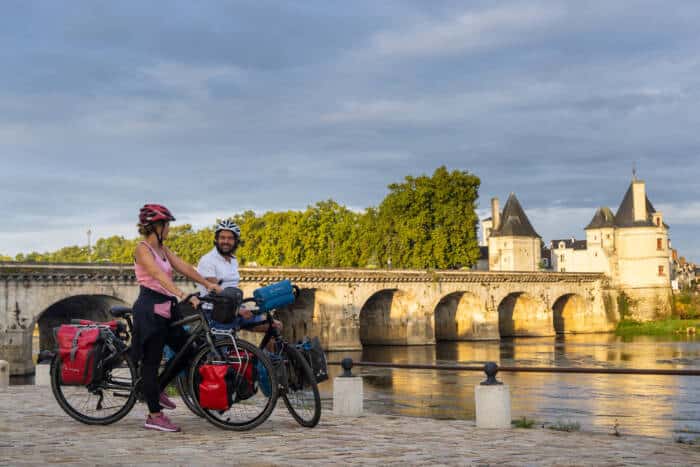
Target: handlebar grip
x=187, y=298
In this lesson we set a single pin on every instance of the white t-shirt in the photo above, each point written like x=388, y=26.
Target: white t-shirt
x=213, y=264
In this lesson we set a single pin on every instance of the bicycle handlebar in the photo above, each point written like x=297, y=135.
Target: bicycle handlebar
x=210, y=298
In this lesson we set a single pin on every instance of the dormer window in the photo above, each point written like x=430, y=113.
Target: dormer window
x=561, y=245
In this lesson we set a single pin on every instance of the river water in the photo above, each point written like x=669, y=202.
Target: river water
x=659, y=406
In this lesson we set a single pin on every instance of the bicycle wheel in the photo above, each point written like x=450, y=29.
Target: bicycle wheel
x=102, y=402
x=183, y=388
x=300, y=391
x=243, y=414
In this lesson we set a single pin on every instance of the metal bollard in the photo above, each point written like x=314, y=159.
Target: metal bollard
x=492, y=399
x=347, y=392
x=4, y=374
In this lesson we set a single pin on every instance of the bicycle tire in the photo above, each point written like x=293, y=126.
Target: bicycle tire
x=222, y=419
x=126, y=390
x=299, y=364
x=183, y=389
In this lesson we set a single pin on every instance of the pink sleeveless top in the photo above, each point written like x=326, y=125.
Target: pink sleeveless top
x=150, y=282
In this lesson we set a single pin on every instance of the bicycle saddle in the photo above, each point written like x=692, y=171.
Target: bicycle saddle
x=120, y=311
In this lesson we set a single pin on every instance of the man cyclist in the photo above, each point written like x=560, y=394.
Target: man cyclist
x=220, y=266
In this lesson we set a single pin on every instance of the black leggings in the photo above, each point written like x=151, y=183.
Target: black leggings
x=152, y=356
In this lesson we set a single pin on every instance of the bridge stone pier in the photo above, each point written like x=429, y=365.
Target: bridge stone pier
x=346, y=308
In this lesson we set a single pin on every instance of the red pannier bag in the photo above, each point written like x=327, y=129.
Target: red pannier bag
x=214, y=386
x=221, y=385
x=78, y=347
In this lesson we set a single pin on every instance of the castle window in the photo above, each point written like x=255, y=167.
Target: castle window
x=607, y=236
x=658, y=221
x=659, y=244
x=661, y=270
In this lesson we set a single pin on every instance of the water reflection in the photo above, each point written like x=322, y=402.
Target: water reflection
x=647, y=405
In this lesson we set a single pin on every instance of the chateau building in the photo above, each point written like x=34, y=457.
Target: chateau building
x=513, y=244
x=630, y=246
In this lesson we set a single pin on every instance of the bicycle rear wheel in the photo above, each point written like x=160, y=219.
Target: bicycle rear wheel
x=102, y=402
x=300, y=391
x=243, y=414
x=183, y=388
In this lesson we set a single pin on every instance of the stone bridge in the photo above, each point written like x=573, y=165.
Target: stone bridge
x=346, y=308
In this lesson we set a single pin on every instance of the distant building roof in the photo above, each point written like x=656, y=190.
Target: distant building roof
x=603, y=217
x=514, y=222
x=570, y=243
x=625, y=213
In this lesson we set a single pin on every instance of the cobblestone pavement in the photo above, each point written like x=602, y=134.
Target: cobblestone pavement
x=34, y=430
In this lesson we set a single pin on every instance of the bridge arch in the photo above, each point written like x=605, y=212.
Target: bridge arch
x=464, y=316
x=395, y=317
x=523, y=314
x=571, y=314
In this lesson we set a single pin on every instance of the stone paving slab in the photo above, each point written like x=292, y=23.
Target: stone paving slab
x=34, y=430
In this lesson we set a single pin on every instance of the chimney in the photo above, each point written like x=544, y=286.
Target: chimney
x=639, y=199
x=495, y=214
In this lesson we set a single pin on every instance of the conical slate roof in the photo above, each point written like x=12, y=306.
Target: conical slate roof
x=514, y=222
x=625, y=213
x=603, y=217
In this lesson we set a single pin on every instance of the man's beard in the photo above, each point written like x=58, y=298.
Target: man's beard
x=224, y=253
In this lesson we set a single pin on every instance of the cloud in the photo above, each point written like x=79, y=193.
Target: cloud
x=223, y=108
x=466, y=32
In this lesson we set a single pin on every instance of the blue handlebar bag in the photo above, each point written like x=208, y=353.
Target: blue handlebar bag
x=274, y=295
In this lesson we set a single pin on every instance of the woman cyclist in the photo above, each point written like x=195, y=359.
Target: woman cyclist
x=154, y=309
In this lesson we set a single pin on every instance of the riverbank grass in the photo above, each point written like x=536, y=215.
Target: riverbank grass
x=628, y=327
x=565, y=426
x=523, y=422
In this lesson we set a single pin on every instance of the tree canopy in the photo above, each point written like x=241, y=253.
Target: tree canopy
x=423, y=222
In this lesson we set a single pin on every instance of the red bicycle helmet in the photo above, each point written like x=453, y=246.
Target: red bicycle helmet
x=151, y=213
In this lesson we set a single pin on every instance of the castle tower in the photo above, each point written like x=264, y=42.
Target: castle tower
x=513, y=243
x=641, y=253
x=600, y=241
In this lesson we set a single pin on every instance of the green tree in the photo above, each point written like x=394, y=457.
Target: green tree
x=424, y=222
x=430, y=222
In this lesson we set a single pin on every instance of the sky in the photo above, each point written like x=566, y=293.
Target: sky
x=212, y=108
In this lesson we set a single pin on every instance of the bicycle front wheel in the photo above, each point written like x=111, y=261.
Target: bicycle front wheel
x=244, y=413
x=183, y=389
x=300, y=391
x=102, y=402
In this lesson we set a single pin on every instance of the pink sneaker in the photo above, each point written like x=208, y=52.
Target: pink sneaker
x=161, y=423
x=165, y=402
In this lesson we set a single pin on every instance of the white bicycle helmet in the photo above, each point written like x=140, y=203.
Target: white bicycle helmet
x=230, y=226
